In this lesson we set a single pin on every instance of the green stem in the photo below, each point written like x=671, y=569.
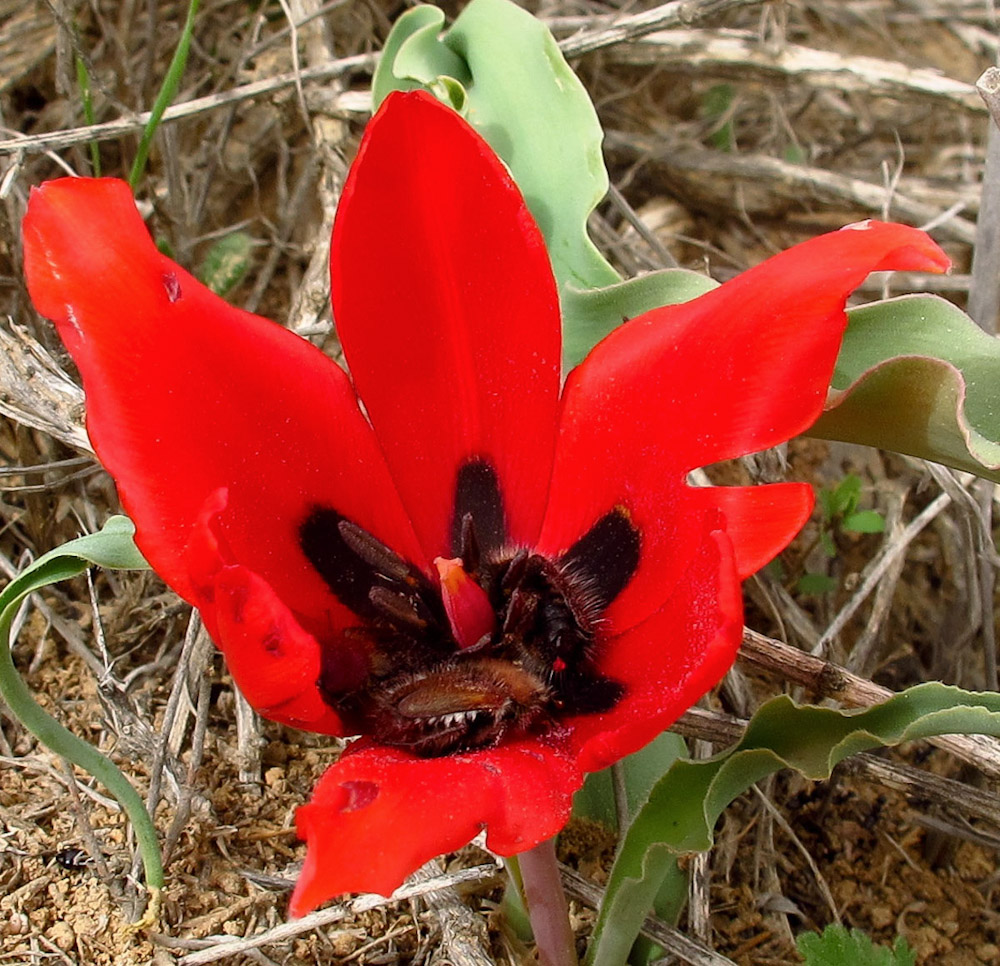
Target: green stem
x=63, y=742
x=547, y=907
x=167, y=93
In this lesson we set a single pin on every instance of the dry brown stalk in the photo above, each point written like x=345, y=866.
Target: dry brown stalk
x=739, y=54
x=794, y=181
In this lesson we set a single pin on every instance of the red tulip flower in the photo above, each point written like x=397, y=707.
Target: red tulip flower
x=499, y=581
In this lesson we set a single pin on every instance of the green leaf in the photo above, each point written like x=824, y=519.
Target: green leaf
x=826, y=542
x=589, y=315
x=113, y=547
x=837, y=946
x=685, y=804
x=415, y=57
x=864, y=521
x=918, y=376
x=715, y=103
x=167, y=92
x=536, y=116
x=844, y=498
x=640, y=772
x=226, y=262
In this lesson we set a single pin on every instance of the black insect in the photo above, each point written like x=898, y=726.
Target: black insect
x=72, y=859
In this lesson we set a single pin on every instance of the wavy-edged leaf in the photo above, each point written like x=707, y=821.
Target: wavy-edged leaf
x=685, y=804
x=918, y=376
x=538, y=118
x=522, y=96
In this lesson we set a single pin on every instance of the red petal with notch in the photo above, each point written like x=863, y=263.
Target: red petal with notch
x=448, y=313
x=734, y=371
x=759, y=520
x=274, y=662
x=188, y=396
x=379, y=813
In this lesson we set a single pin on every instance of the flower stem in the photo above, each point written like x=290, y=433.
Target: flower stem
x=547, y=908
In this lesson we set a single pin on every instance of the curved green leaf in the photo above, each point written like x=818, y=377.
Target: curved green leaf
x=114, y=548
x=918, y=376
x=415, y=57
x=685, y=804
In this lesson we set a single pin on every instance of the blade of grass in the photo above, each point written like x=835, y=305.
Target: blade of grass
x=167, y=93
x=83, y=82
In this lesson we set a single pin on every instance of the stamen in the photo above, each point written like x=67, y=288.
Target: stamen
x=467, y=605
x=401, y=608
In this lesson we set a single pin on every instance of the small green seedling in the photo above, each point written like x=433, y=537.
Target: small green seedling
x=840, y=514
x=837, y=946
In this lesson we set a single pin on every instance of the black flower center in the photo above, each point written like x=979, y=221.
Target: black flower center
x=425, y=693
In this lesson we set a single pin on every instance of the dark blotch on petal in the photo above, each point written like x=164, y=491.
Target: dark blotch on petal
x=605, y=557
x=347, y=574
x=583, y=693
x=478, y=497
x=368, y=577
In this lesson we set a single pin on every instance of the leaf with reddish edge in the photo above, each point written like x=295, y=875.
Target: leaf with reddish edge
x=379, y=813
x=917, y=375
x=187, y=395
x=666, y=392
x=464, y=360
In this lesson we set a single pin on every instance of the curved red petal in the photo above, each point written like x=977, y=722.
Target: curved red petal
x=738, y=369
x=449, y=316
x=670, y=660
x=188, y=396
x=378, y=814
x=273, y=660
x=759, y=520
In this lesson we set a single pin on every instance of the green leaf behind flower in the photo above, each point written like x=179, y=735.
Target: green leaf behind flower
x=918, y=376
x=504, y=71
x=680, y=814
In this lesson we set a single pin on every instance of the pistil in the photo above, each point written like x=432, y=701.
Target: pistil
x=467, y=605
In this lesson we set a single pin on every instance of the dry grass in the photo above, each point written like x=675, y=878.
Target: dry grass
x=835, y=110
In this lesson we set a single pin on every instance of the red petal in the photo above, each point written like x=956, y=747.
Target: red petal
x=274, y=662
x=378, y=814
x=188, y=396
x=738, y=369
x=670, y=660
x=448, y=313
x=759, y=520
